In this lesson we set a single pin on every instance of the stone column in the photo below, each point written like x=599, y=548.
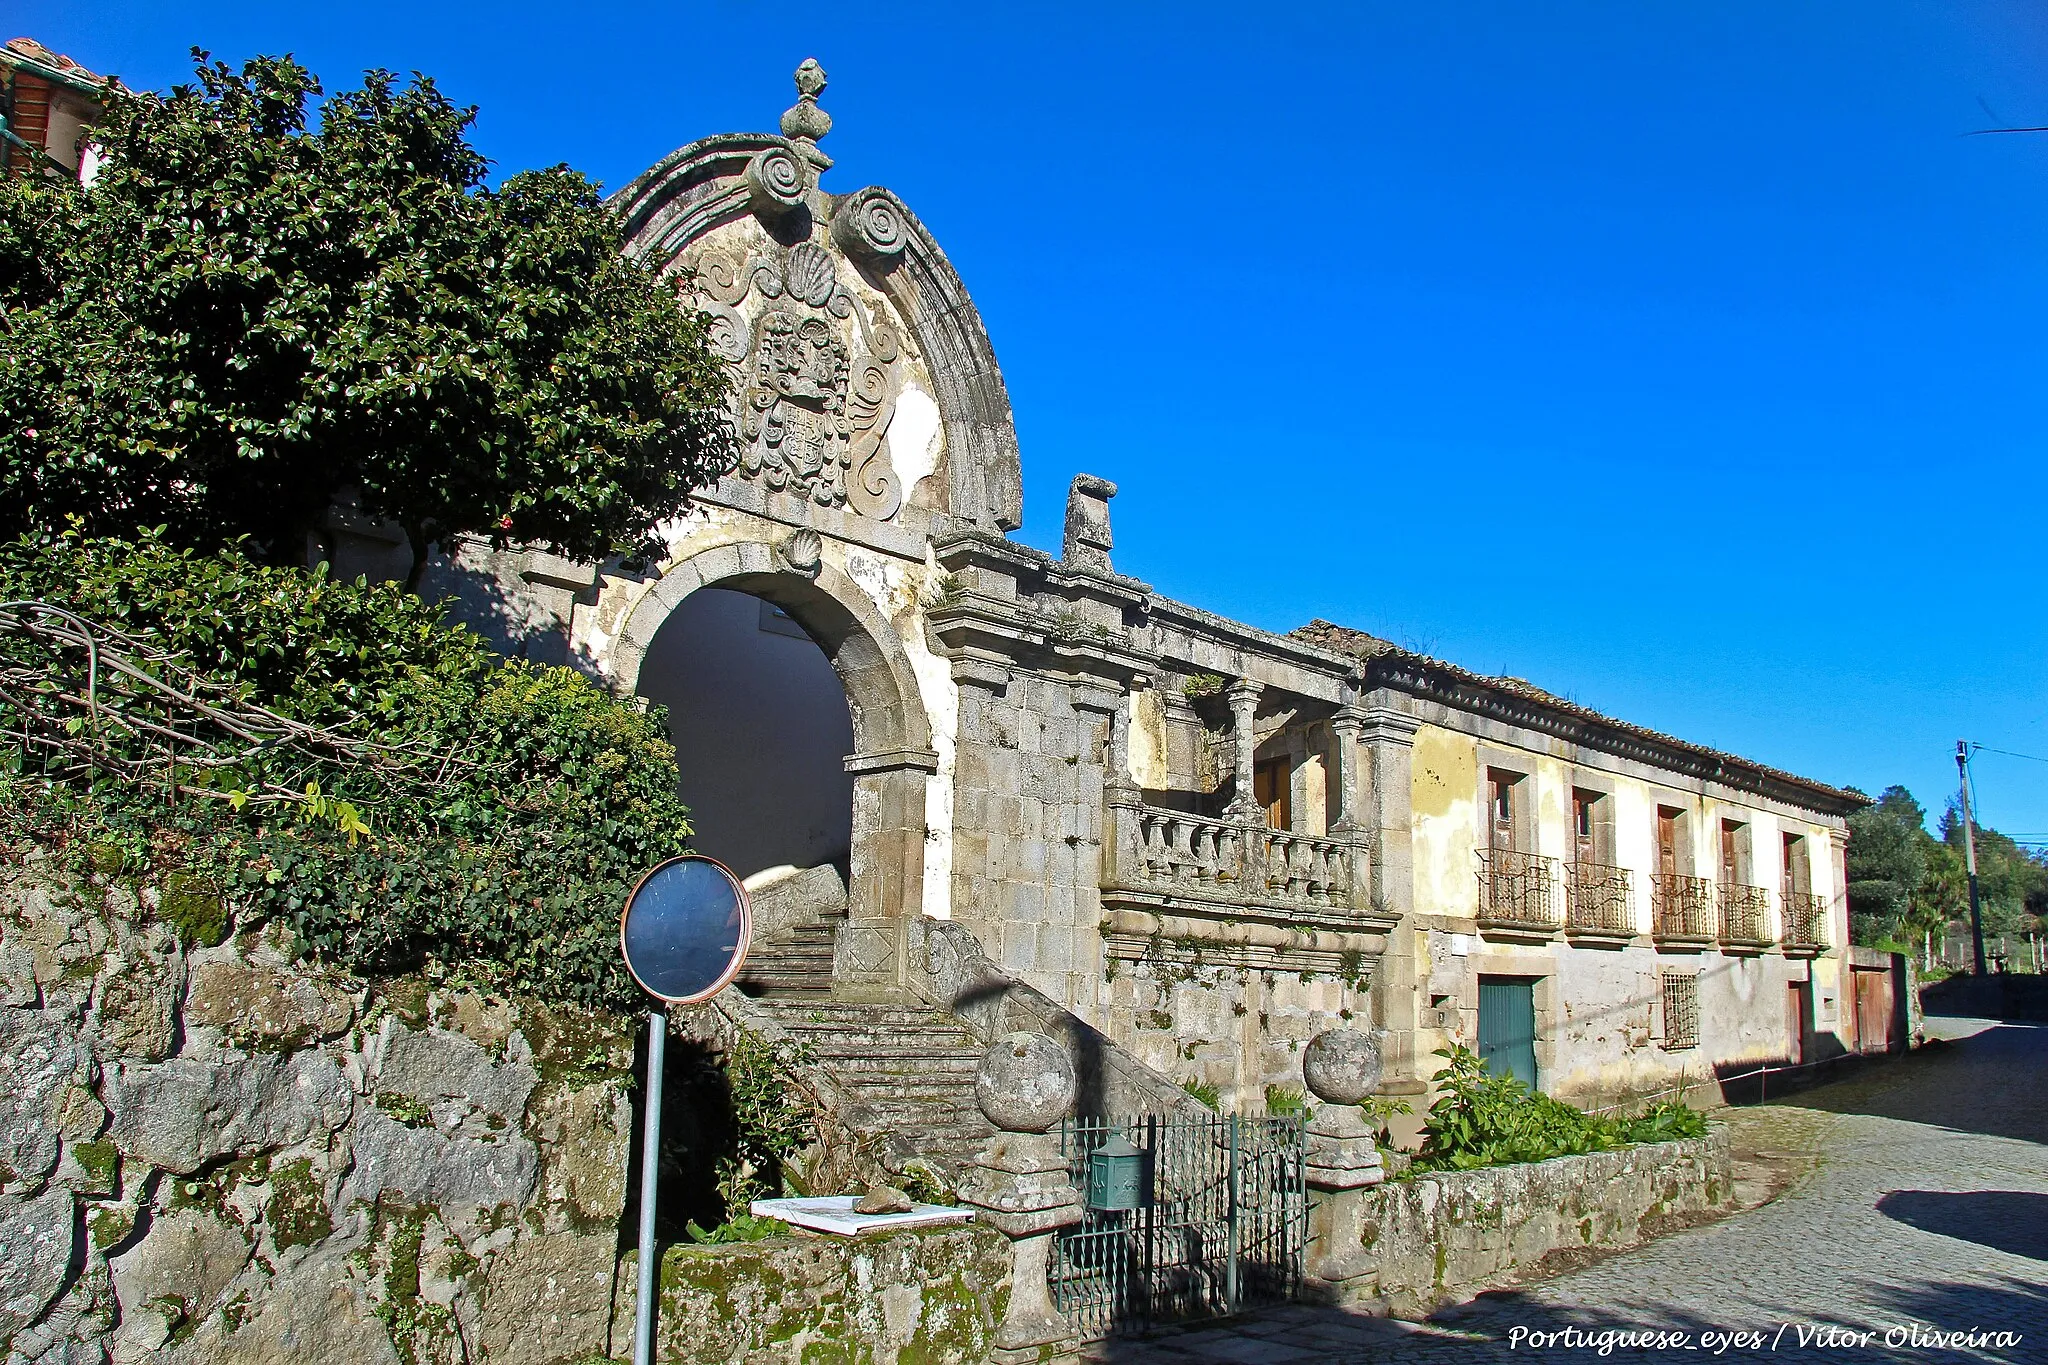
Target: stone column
x=1244, y=709
x=1341, y=1068
x=1389, y=740
x=1019, y=1183
x=1345, y=728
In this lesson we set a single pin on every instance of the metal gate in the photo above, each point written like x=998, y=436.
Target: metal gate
x=1220, y=1226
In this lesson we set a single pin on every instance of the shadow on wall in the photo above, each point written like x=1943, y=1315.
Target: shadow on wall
x=761, y=730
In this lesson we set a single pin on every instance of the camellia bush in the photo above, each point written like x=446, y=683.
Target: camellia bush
x=251, y=311
x=328, y=755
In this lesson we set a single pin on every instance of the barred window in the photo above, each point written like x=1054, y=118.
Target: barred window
x=1681, y=1010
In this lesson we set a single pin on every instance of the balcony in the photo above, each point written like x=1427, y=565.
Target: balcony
x=1744, y=917
x=1597, y=906
x=1515, y=894
x=1804, y=918
x=1681, y=910
x=1167, y=857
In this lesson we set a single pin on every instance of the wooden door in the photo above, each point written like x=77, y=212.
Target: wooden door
x=1667, y=841
x=1796, y=1015
x=1507, y=1027
x=1729, y=861
x=1272, y=783
x=1502, y=834
x=1873, y=1011
x=1583, y=849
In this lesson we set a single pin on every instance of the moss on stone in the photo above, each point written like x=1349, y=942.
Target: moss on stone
x=195, y=910
x=109, y=1224
x=101, y=1161
x=405, y=1109
x=297, y=1213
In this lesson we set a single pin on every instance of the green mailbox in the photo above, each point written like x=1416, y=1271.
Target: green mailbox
x=1117, y=1176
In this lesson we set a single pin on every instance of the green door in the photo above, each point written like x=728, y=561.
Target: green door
x=1507, y=1027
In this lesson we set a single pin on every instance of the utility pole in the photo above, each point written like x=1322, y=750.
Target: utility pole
x=1970, y=855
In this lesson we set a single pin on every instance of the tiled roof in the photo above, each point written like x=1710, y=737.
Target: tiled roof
x=1371, y=649
x=56, y=64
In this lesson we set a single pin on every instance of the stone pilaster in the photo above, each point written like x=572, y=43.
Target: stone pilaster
x=1389, y=740
x=1345, y=728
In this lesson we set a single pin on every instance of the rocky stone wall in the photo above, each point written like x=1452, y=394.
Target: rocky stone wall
x=929, y=1297
x=209, y=1152
x=1445, y=1236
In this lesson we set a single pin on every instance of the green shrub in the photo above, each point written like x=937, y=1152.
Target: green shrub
x=1483, y=1119
x=416, y=802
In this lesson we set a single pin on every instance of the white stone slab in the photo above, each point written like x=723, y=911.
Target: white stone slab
x=834, y=1213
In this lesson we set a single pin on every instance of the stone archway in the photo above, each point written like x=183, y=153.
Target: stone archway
x=892, y=746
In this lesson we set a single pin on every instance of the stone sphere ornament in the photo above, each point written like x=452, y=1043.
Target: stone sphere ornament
x=1341, y=1066
x=1025, y=1083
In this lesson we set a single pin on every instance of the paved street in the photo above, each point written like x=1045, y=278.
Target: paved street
x=1929, y=1208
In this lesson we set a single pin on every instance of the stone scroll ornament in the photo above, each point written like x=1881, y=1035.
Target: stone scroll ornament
x=815, y=394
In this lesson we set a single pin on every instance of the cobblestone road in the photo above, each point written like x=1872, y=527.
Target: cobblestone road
x=1929, y=1209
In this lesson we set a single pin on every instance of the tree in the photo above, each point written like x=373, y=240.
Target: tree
x=1887, y=858
x=243, y=317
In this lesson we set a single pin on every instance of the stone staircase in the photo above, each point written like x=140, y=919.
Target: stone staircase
x=910, y=1066
x=794, y=963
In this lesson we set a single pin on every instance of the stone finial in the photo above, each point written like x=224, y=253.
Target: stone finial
x=804, y=122
x=1341, y=1066
x=1025, y=1083
x=1088, y=539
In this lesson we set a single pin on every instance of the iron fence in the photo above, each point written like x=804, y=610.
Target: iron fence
x=1221, y=1224
x=1743, y=909
x=1596, y=898
x=1804, y=916
x=1681, y=907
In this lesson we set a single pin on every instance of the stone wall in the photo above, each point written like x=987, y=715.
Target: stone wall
x=928, y=1297
x=214, y=1154
x=1443, y=1237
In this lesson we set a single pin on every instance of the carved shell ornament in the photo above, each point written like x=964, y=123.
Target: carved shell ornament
x=803, y=551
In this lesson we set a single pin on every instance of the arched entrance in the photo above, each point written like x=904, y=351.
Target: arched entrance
x=761, y=731
x=882, y=774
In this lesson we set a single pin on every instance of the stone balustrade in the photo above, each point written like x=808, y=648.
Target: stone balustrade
x=1169, y=855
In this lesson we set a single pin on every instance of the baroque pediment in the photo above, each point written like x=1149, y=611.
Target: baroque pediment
x=865, y=388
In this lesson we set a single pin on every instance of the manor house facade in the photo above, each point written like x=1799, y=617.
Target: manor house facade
x=1205, y=840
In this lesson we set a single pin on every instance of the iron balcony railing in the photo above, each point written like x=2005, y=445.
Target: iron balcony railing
x=1596, y=898
x=1804, y=916
x=1515, y=889
x=1681, y=907
x=1743, y=914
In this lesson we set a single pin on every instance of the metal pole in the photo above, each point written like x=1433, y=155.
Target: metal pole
x=1230, y=1266
x=1970, y=855
x=650, y=1177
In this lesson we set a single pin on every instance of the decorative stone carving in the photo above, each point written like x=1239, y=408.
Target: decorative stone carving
x=817, y=394
x=1088, y=540
x=803, y=551
x=776, y=182
x=1341, y=1066
x=1025, y=1083
x=804, y=122
x=869, y=227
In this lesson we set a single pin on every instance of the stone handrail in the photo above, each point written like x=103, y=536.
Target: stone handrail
x=1171, y=854
x=949, y=967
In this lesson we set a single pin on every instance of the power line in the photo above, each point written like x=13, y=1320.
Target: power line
x=1986, y=748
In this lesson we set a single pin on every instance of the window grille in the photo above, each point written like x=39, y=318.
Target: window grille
x=1681, y=1011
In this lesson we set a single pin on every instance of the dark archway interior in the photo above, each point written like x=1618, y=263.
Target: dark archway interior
x=762, y=731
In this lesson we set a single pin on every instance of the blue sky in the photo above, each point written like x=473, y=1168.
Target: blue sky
x=1683, y=359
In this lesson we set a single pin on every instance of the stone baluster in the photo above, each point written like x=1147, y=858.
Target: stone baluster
x=1156, y=864
x=1244, y=710
x=1205, y=854
x=1341, y=1068
x=1019, y=1183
